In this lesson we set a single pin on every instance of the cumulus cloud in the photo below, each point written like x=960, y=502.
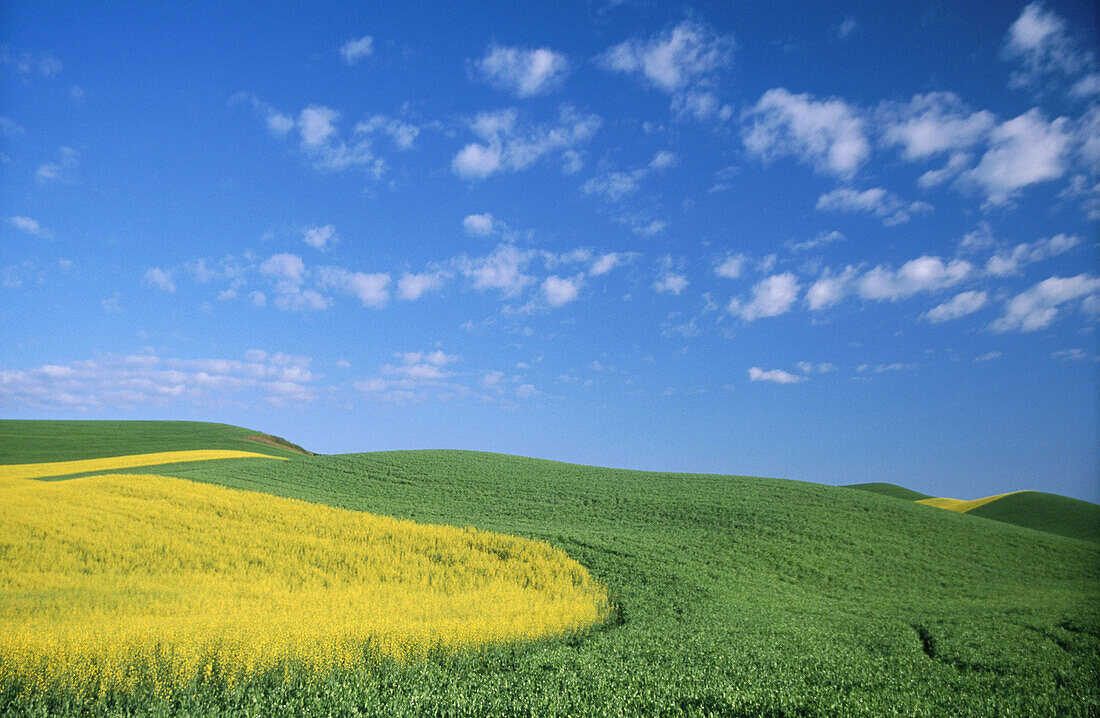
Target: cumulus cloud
x=1039, y=42
x=319, y=237
x=501, y=269
x=29, y=226
x=771, y=297
x=509, y=144
x=479, y=225
x=1011, y=262
x=605, y=264
x=403, y=134
x=523, y=72
x=671, y=283
x=561, y=290
x=827, y=134
x=958, y=306
x=413, y=286
x=1038, y=307
x=822, y=239
x=933, y=124
x=731, y=266
x=126, y=382
x=1023, y=151
x=829, y=289
x=158, y=278
x=877, y=201
x=683, y=62
x=924, y=274
x=355, y=50
x=372, y=290
x=776, y=376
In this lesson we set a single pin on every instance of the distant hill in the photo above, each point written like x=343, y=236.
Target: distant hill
x=898, y=492
x=29, y=441
x=1046, y=512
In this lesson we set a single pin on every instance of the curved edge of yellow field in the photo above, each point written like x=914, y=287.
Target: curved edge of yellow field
x=111, y=463
x=127, y=579
x=959, y=505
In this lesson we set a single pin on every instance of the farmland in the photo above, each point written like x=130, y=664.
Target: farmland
x=731, y=595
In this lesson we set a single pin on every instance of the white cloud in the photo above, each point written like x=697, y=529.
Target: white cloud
x=770, y=298
x=1087, y=86
x=372, y=290
x=355, y=50
x=571, y=162
x=507, y=144
x=523, y=72
x=1075, y=354
x=316, y=124
x=115, y=382
x=959, y=306
x=559, y=290
x=651, y=229
x=413, y=286
x=501, y=269
x=1039, y=42
x=300, y=300
x=981, y=238
x=9, y=128
x=285, y=268
x=1023, y=151
x=29, y=226
x=821, y=240
x=63, y=170
x=605, y=264
x=671, y=283
x=731, y=266
x=828, y=134
x=877, y=201
x=613, y=186
x=674, y=59
x=319, y=237
x=478, y=225
x=776, y=376
x=420, y=376
x=924, y=274
x=401, y=133
x=159, y=279
x=1037, y=307
x=526, y=391
x=829, y=289
x=988, y=356
x=933, y=124
x=1007, y=263
x=822, y=368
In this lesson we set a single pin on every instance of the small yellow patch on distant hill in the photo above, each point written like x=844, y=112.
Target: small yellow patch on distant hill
x=113, y=463
x=960, y=506
x=120, y=581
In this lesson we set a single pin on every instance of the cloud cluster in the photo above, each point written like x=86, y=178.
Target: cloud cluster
x=877, y=201
x=683, y=62
x=523, y=72
x=428, y=376
x=128, y=382
x=510, y=144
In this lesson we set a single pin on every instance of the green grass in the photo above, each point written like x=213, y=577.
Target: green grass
x=898, y=492
x=1045, y=512
x=27, y=442
x=738, y=596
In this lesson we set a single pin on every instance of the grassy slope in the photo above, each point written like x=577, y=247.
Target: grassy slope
x=1045, y=512
x=740, y=596
x=898, y=492
x=25, y=442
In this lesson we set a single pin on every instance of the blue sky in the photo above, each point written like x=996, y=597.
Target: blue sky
x=829, y=242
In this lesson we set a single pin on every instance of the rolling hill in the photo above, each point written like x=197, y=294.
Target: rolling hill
x=735, y=596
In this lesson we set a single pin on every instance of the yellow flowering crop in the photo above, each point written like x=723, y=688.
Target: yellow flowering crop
x=960, y=506
x=84, y=466
x=114, y=581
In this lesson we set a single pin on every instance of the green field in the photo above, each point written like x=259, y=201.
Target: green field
x=736, y=596
x=25, y=442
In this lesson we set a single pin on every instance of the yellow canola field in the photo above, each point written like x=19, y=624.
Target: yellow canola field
x=960, y=506
x=119, y=581
x=112, y=463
